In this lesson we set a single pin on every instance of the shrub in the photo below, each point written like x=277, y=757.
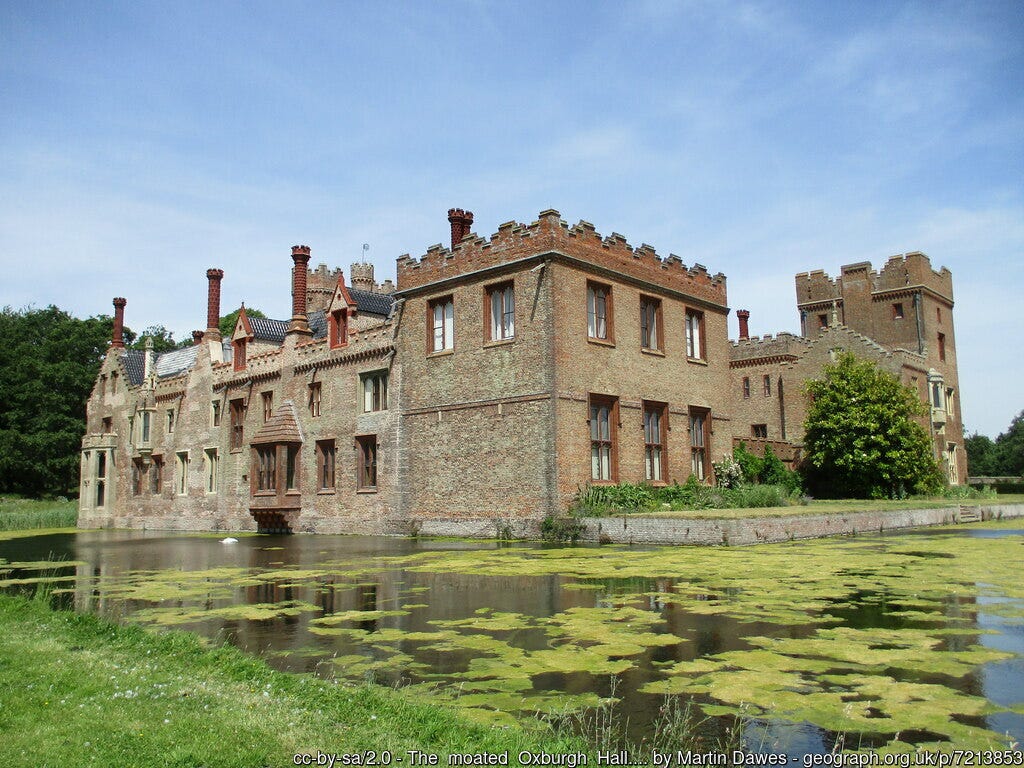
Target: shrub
x=561, y=529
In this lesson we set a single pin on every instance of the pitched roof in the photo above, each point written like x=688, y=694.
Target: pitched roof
x=372, y=303
x=268, y=329
x=176, y=361
x=318, y=323
x=134, y=362
x=282, y=427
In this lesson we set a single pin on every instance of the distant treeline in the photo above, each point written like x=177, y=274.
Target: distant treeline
x=1002, y=457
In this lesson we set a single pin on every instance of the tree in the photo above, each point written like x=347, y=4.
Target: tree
x=227, y=323
x=48, y=366
x=1009, y=448
x=981, y=455
x=163, y=340
x=861, y=439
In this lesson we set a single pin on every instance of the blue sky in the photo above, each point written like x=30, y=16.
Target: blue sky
x=141, y=143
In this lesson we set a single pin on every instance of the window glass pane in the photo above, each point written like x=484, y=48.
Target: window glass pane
x=510, y=314
x=449, y=326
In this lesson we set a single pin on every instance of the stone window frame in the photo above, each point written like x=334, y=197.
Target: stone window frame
x=759, y=431
x=211, y=461
x=500, y=330
x=267, y=404
x=604, y=446
x=367, y=469
x=767, y=385
x=215, y=413
x=315, y=398
x=695, y=335
x=379, y=396
x=700, y=442
x=181, y=461
x=237, y=412
x=651, y=323
x=156, y=474
x=897, y=310
x=655, y=444
x=326, y=465
x=600, y=296
x=746, y=387
x=446, y=328
x=170, y=421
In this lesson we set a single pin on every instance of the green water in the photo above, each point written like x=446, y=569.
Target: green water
x=891, y=642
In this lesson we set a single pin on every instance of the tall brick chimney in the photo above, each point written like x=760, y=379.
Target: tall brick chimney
x=214, y=276
x=299, y=323
x=462, y=223
x=117, y=337
x=744, y=316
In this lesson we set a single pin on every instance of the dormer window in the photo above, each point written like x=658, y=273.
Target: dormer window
x=339, y=328
x=239, y=356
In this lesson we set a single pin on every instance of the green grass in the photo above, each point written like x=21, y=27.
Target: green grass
x=18, y=514
x=78, y=690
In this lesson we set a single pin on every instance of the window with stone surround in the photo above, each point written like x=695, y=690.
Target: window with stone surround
x=215, y=413
x=237, y=423
x=655, y=430
x=600, y=325
x=501, y=312
x=604, y=417
x=897, y=311
x=441, y=324
x=101, y=478
x=375, y=391
x=315, y=393
x=212, y=466
x=694, y=324
x=266, y=469
x=759, y=431
x=746, y=387
x=156, y=474
x=325, y=454
x=823, y=321
x=182, y=472
x=138, y=477
x=267, y=399
x=699, y=442
x=767, y=383
x=366, y=465
x=650, y=324
x=170, y=421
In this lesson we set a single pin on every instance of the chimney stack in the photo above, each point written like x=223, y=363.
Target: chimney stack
x=462, y=223
x=150, y=360
x=744, y=316
x=213, y=304
x=117, y=338
x=299, y=323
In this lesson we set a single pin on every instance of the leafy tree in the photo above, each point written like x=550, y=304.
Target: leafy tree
x=163, y=340
x=861, y=439
x=981, y=455
x=227, y=323
x=48, y=365
x=1009, y=448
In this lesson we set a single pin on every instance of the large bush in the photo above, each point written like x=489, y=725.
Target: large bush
x=861, y=439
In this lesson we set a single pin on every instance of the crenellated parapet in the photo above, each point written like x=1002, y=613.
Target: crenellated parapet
x=911, y=270
x=262, y=366
x=902, y=272
x=550, y=235
x=768, y=348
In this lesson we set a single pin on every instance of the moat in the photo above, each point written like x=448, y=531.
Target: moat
x=916, y=637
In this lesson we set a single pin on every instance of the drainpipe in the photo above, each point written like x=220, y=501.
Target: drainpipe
x=920, y=327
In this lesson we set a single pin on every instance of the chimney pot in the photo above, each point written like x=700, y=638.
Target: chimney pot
x=744, y=317
x=197, y=337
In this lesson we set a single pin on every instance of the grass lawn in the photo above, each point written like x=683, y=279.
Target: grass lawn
x=78, y=690
x=18, y=514
x=826, y=507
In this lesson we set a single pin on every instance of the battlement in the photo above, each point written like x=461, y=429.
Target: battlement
x=321, y=282
x=902, y=271
x=781, y=345
x=514, y=241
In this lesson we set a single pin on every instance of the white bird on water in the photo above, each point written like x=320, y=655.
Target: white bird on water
x=229, y=540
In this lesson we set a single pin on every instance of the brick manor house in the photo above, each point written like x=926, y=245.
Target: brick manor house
x=482, y=391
